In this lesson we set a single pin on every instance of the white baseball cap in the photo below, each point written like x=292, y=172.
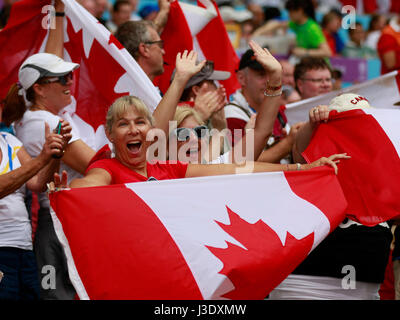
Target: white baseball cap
x=43, y=65
x=348, y=101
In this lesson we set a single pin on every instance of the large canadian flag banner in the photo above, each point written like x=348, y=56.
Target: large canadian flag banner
x=200, y=28
x=107, y=71
x=370, y=179
x=382, y=92
x=221, y=237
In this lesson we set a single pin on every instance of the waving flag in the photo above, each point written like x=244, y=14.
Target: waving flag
x=107, y=71
x=370, y=179
x=202, y=29
x=222, y=237
x=382, y=92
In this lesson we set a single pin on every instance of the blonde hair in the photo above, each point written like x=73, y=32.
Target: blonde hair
x=122, y=105
x=182, y=113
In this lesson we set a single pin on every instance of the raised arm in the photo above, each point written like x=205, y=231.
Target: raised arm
x=270, y=106
x=303, y=137
x=162, y=16
x=186, y=67
x=55, y=41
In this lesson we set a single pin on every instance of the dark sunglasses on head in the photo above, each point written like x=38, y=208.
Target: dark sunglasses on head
x=61, y=79
x=183, y=134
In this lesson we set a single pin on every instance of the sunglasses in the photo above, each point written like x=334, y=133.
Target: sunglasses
x=183, y=134
x=160, y=43
x=61, y=79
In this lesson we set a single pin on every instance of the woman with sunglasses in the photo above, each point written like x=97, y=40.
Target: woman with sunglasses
x=43, y=90
x=193, y=141
x=128, y=123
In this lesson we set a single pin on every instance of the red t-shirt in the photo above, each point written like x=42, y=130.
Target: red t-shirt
x=388, y=43
x=331, y=41
x=122, y=174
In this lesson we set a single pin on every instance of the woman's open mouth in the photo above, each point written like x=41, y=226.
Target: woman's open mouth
x=134, y=147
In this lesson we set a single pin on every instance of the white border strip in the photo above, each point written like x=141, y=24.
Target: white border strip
x=72, y=271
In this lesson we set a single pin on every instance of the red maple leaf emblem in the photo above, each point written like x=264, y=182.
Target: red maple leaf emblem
x=266, y=262
x=95, y=79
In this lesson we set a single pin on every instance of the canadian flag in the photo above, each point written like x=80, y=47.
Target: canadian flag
x=382, y=92
x=202, y=29
x=107, y=71
x=370, y=179
x=221, y=237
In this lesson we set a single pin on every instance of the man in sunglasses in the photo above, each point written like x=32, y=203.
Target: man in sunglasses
x=143, y=42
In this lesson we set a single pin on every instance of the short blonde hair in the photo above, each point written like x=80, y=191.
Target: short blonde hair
x=182, y=113
x=122, y=105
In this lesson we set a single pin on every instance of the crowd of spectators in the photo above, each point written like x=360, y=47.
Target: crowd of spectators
x=271, y=75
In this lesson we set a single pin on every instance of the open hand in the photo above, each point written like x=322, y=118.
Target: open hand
x=209, y=102
x=265, y=58
x=186, y=65
x=331, y=161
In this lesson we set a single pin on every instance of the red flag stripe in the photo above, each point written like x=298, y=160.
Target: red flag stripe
x=25, y=23
x=118, y=216
x=223, y=54
x=326, y=184
x=370, y=178
x=177, y=38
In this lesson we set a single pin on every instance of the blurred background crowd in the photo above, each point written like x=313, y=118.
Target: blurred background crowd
x=352, y=35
